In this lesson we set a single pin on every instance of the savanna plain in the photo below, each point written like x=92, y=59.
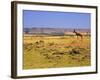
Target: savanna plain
x=55, y=51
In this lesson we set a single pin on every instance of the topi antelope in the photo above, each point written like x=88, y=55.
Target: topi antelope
x=78, y=34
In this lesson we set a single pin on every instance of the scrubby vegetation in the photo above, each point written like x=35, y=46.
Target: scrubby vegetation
x=56, y=51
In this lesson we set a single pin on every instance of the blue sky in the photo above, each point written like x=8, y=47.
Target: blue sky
x=47, y=19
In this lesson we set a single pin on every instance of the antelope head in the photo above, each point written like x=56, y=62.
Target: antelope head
x=74, y=31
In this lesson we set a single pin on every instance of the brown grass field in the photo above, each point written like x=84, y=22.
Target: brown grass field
x=56, y=51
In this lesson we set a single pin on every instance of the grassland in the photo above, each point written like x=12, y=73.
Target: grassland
x=56, y=51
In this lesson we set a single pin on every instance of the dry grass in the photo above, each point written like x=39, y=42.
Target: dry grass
x=56, y=51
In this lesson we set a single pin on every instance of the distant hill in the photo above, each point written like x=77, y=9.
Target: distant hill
x=35, y=30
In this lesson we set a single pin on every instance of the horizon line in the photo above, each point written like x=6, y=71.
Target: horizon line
x=57, y=28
